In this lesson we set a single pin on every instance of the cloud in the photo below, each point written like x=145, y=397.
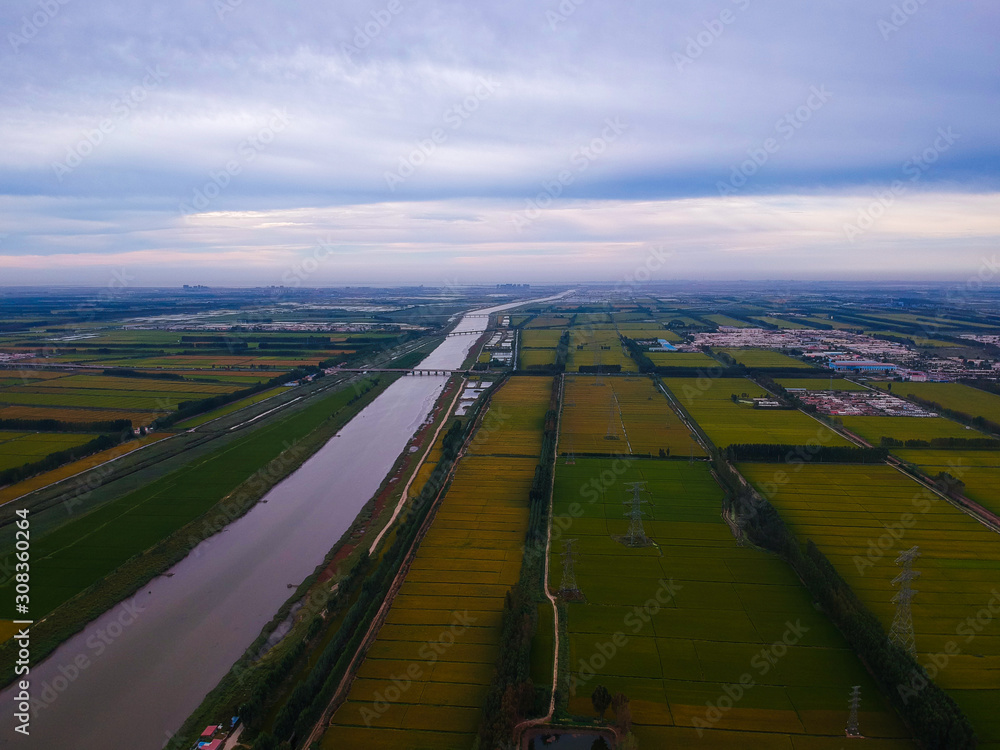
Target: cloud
x=745, y=237
x=117, y=118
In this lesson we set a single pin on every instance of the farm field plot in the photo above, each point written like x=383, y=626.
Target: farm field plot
x=648, y=331
x=873, y=429
x=725, y=320
x=540, y=339
x=848, y=510
x=667, y=318
x=549, y=321
x=779, y=322
x=89, y=383
x=631, y=408
x=84, y=550
x=593, y=345
x=66, y=414
x=444, y=624
x=963, y=398
x=537, y=357
x=208, y=362
x=695, y=614
x=99, y=392
x=838, y=325
x=682, y=359
x=514, y=423
x=14, y=491
x=230, y=408
x=19, y=448
x=765, y=358
x=709, y=402
x=980, y=470
x=821, y=384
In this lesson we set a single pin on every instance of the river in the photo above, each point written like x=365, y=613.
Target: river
x=136, y=673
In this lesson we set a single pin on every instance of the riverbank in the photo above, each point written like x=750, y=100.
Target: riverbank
x=72, y=616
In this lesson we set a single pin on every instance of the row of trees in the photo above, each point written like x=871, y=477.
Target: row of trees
x=57, y=459
x=57, y=425
x=188, y=409
x=930, y=712
x=511, y=697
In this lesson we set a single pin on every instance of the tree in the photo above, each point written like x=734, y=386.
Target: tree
x=623, y=713
x=601, y=699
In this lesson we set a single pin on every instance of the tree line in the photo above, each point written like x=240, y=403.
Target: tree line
x=931, y=714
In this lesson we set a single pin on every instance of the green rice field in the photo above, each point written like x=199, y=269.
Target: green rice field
x=851, y=512
x=963, y=398
x=765, y=358
x=677, y=625
x=709, y=402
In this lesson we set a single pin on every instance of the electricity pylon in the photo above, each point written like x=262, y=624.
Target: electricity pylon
x=901, y=632
x=854, y=703
x=568, y=585
x=612, y=433
x=636, y=535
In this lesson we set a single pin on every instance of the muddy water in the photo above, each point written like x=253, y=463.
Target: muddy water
x=135, y=674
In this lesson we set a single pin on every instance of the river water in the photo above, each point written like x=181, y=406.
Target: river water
x=136, y=673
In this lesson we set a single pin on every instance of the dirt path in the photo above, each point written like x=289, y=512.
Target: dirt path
x=519, y=729
x=416, y=470
x=340, y=694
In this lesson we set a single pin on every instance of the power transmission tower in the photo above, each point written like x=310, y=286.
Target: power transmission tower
x=598, y=380
x=612, y=433
x=901, y=632
x=568, y=588
x=636, y=535
x=570, y=459
x=852, y=720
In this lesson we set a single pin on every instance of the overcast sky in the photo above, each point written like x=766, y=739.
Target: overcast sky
x=245, y=142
